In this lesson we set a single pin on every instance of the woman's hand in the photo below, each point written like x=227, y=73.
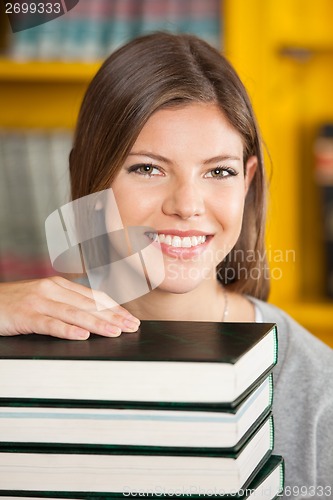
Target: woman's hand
x=57, y=307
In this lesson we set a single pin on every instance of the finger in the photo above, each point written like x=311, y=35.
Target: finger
x=54, y=300
x=60, y=298
x=87, y=321
x=76, y=307
x=101, y=298
x=45, y=325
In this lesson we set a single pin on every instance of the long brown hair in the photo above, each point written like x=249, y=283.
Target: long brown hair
x=163, y=70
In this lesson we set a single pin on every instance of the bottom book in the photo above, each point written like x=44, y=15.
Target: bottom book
x=266, y=485
x=115, y=470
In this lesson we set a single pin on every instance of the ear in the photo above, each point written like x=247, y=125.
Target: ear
x=250, y=170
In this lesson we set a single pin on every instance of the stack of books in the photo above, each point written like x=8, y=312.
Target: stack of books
x=175, y=409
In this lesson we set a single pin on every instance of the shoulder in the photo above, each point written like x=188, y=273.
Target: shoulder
x=303, y=376
x=305, y=363
x=303, y=400
x=298, y=348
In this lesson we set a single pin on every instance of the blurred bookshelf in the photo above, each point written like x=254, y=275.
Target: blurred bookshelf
x=283, y=52
x=44, y=73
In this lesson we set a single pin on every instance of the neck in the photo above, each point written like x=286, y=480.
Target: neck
x=204, y=303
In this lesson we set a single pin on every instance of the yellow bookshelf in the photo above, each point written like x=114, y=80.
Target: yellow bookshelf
x=42, y=94
x=315, y=316
x=283, y=52
x=40, y=71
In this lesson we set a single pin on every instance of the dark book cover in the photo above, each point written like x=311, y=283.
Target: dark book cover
x=182, y=341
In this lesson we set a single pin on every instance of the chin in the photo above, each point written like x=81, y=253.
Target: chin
x=182, y=280
x=178, y=289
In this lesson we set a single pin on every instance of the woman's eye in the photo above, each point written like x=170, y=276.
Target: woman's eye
x=145, y=169
x=221, y=172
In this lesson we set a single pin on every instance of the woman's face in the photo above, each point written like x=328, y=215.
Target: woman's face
x=184, y=177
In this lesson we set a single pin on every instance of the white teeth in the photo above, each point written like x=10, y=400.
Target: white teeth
x=177, y=241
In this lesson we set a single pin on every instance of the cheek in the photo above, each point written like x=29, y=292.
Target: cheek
x=135, y=207
x=229, y=217
x=229, y=211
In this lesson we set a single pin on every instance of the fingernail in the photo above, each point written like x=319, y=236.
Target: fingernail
x=79, y=334
x=133, y=325
x=133, y=319
x=82, y=335
x=113, y=330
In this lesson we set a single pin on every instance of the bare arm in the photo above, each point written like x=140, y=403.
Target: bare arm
x=57, y=307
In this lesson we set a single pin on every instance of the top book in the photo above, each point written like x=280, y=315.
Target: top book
x=177, y=362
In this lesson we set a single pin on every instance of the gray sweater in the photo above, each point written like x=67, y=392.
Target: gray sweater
x=303, y=407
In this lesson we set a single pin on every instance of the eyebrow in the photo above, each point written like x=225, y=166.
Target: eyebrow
x=215, y=159
x=153, y=156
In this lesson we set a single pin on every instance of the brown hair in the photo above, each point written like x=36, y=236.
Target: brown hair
x=163, y=70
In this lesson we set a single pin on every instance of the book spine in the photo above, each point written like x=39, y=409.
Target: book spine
x=60, y=144
x=5, y=229
x=272, y=432
x=282, y=477
x=94, y=29
x=34, y=181
x=323, y=157
x=23, y=234
x=276, y=345
x=48, y=42
x=271, y=388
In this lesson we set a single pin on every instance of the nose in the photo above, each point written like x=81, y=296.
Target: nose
x=185, y=200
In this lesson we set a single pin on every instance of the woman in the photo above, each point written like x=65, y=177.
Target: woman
x=167, y=124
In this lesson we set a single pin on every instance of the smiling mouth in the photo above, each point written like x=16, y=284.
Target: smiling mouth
x=178, y=241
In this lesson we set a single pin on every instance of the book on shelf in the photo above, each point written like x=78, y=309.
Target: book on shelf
x=164, y=361
x=267, y=484
x=34, y=181
x=93, y=29
x=323, y=165
x=127, y=425
x=21, y=227
x=115, y=469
